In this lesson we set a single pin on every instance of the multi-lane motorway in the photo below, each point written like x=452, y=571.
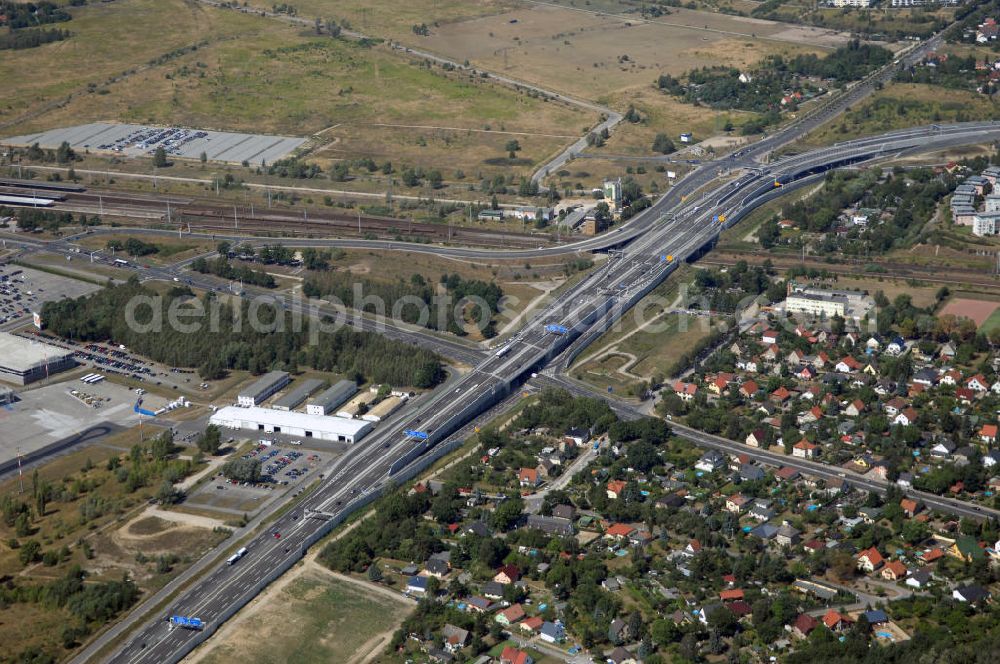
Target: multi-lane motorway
x=670, y=233
x=679, y=224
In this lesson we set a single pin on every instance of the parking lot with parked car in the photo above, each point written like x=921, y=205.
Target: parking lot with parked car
x=24, y=291
x=283, y=468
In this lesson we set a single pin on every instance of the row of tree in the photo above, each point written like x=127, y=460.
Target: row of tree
x=22, y=39
x=221, y=267
x=229, y=336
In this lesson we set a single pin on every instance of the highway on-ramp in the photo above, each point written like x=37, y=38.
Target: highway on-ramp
x=602, y=296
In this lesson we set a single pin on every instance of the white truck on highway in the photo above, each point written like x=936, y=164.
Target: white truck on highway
x=233, y=559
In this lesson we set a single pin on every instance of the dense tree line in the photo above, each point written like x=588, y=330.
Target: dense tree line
x=221, y=267
x=954, y=72
x=724, y=291
x=242, y=470
x=294, y=167
x=559, y=410
x=22, y=39
x=19, y=15
x=396, y=531
x=64, y=154
x=411, y=300
x=236, y=339
x=910, y=198
x=32, y=219
x=722, y=87
x=133, y=246
x=90, y=605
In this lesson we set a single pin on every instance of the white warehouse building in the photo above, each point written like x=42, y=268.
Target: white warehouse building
x=269, y=420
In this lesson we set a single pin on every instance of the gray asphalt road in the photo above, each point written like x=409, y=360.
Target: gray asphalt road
x=674, y=227
x=608, y=292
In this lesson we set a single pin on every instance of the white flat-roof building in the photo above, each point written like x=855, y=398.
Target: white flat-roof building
x=986, y=223
x=24, y=361
x=263, y=387
x=816, y=304
x=269, y=420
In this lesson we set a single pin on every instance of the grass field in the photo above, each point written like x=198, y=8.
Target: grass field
x=649, y=341
x=991, y=324
x=109, y=41
x=114, y=546
x=592, y=172
x=465, y=154
x=171, y=249
x=905, y=105
x=265, y=75
x=308, y=616
x=663, y=113
x=395, y=20
x=522, y=282
x=594, y=56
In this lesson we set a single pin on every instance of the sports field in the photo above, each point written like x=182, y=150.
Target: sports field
x=984, y=313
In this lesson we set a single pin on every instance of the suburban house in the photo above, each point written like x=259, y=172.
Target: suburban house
x=615, y=488
x=512, y=655
x=988, y=434
x=510, y=615
x=972, y=594
x=836, y=622
x=756, y=438
x=870, y=560
x=804, y=449
x=507, y=575
x=528, y=477
x=894, y=570
x=804, y=625
x=416, y=584
x=552, y=632
x=736, y=503
x=618, y=532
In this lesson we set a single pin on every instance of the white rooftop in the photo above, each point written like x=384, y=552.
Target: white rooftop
x=22, y=354
x=340, y=426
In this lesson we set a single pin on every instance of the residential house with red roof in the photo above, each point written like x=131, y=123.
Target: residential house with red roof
x=870, y=560
x=988, y=434
x=615, y=488
x=804, y=625
x=836, y=621
x=804, y=449
x=511, y=655
x=528, y=477
x=894, y=570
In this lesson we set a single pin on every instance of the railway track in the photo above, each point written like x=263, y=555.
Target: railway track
x=190, y=213
x=856, y=268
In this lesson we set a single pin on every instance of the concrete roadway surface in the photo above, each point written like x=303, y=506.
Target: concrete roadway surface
x=815, y=468
x=856, y=151
x=618, y=283
x=450, y=347
x=227, y=588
